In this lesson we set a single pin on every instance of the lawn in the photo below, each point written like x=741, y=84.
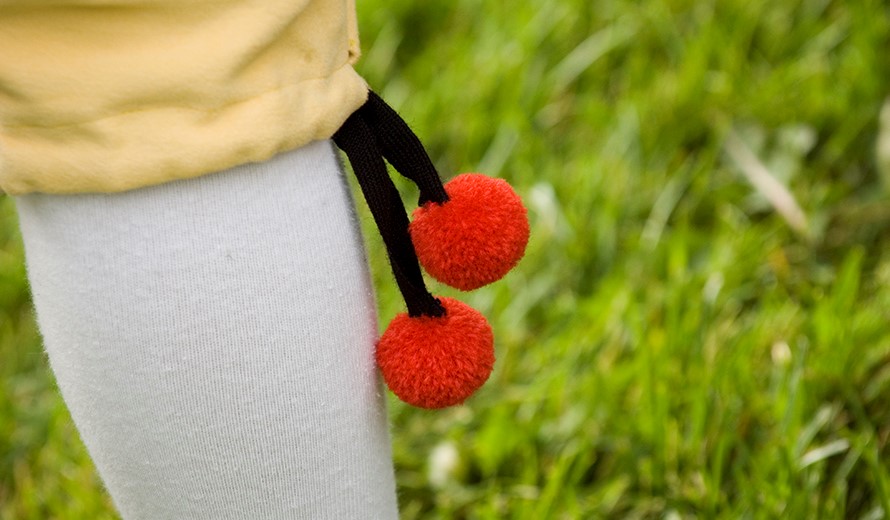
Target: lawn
x=701, y=325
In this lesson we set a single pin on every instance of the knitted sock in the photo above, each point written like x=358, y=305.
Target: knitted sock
x=213, y=339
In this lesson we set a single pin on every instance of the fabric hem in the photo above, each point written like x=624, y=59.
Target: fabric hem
x=140, y=148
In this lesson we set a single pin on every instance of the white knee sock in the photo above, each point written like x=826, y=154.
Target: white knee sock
x=213, y=339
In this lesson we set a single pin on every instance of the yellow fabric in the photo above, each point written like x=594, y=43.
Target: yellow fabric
x=111, y=95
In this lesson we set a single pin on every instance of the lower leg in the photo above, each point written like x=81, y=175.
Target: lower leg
x=213, y=339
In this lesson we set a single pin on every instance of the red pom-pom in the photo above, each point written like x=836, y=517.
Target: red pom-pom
x=476, y=237
x=437, y=362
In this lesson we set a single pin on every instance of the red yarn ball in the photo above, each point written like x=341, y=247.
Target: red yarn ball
x=437, y=362
x=476, y=237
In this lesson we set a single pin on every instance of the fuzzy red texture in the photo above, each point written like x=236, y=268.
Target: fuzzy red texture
x=476, y=237
x=437, y=362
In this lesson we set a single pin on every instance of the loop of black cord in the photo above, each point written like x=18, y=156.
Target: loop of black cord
x=358, y=141
x=402, y=148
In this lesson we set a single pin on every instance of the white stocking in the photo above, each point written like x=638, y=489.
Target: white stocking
x=213, y=339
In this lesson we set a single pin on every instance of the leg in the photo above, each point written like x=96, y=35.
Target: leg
x=213, y=339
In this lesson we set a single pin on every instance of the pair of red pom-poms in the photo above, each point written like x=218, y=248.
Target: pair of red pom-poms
x=471, y=240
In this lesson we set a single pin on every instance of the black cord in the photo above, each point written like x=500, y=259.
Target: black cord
x=357, y=140
x=402, y=148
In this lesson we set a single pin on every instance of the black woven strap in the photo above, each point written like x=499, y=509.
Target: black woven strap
x=402, y=148
x=358, y=141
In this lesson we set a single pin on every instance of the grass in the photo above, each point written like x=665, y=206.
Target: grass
x=671, y=346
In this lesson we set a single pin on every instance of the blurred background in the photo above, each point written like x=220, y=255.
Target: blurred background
x=700, y=326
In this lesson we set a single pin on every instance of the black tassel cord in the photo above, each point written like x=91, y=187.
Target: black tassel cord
x=371, y=133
